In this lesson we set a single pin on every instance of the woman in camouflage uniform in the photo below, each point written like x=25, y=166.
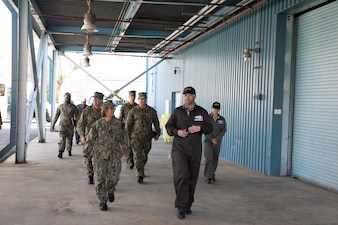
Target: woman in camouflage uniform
x=103, y=144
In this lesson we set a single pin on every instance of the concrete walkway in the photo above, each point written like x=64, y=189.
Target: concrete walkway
x=52, y=191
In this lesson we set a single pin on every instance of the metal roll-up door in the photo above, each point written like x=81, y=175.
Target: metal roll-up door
x=315, y=128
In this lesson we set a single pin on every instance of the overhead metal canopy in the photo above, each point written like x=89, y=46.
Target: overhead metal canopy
x=136, y=26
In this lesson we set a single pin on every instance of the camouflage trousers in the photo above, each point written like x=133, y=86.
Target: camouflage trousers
x=141, y=148
x=127, y=149
x=90, y=169
x=66, y=138
x=106, y=175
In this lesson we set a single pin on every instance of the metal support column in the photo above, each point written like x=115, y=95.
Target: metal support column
x=32, y=106
x=43, y=77
x=21, y=144
x=52, y=86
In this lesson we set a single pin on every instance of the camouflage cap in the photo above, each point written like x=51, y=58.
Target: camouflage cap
x=142, y=95
x=132, y=93
x=98, y=95
x=108, y=104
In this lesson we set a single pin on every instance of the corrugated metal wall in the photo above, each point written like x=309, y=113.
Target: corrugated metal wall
x=215, y=67
x=315, y=141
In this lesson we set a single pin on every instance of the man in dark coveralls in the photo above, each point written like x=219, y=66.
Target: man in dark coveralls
x=212, y=143
x=186, y=124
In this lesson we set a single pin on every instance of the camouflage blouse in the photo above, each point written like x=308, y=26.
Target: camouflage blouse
x=125, y=109
x=67, y=113
x=103, y=140
x=139, y=123
x=88, y=117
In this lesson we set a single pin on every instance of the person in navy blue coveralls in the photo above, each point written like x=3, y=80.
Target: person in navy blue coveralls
x=187, y=123
x=212, y=143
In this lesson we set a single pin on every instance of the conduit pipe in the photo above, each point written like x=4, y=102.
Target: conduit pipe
x=122, y=27
x=192, y=21
x=215, y=28
x=209, y=24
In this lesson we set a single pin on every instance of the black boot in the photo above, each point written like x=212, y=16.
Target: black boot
x=140, y=179
x=69, y=153
x=181, y=215
x=103, y=206
x=90, y=179
x=60, y=155
x=111, y=197
x=131, y=165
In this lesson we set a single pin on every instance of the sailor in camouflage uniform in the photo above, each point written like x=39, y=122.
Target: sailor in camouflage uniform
x=103, y=144
x=88, y=117
x=67, y=112
x=123, y=116
x=80, y=107
x=139, y=131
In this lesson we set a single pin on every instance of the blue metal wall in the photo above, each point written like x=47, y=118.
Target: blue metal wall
x=215, y=67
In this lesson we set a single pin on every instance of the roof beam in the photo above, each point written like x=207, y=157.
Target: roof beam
x=178, y=2
x=121, y=27
x=107, y=32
